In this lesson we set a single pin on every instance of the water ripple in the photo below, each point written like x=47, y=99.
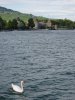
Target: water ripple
x=45, y=59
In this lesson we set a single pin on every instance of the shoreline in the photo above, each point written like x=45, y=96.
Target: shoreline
x=35, y=30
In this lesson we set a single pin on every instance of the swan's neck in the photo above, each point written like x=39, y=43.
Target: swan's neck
x=22, y=85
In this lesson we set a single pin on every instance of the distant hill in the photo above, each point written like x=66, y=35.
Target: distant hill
x=3, y=9
x=9, y=14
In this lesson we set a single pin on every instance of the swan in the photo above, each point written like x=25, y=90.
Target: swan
x=18, y=89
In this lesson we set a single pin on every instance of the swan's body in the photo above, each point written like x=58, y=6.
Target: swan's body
x=17, y=88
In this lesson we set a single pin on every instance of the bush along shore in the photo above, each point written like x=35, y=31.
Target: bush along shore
x=34, y=23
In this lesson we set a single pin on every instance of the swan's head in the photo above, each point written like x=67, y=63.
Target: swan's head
x=22, y=82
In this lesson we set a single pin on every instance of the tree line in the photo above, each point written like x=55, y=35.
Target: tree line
x=18, y=24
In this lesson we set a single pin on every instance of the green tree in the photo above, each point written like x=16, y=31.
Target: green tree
x=14, y=24
x=31, y=23
x=9, y=25
x=68, y=23
x=2, y=24
x=21, y=25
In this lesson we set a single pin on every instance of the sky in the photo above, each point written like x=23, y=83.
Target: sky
x=48, y=8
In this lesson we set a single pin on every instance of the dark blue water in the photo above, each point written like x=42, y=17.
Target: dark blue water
x=45, y=59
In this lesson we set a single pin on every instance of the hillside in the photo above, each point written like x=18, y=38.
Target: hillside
x=2, y=10
x=9, y=14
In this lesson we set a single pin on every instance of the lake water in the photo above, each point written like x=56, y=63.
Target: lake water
x=45, y=59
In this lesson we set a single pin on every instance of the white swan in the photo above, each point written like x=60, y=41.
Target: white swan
x=18, y=89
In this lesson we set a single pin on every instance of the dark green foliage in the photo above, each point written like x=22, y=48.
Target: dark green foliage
x=9, y=25
x=31, y=23
x=14, y=24
x=20, y=24
x=68, y=23
x=2, y=24
x=64, y=23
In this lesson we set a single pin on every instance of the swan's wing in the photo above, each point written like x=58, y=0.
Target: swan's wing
x=16, y=88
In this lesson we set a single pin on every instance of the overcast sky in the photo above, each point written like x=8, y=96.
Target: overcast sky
x=47, y=8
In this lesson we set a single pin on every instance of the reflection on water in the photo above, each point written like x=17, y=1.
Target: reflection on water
x=45, y=59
